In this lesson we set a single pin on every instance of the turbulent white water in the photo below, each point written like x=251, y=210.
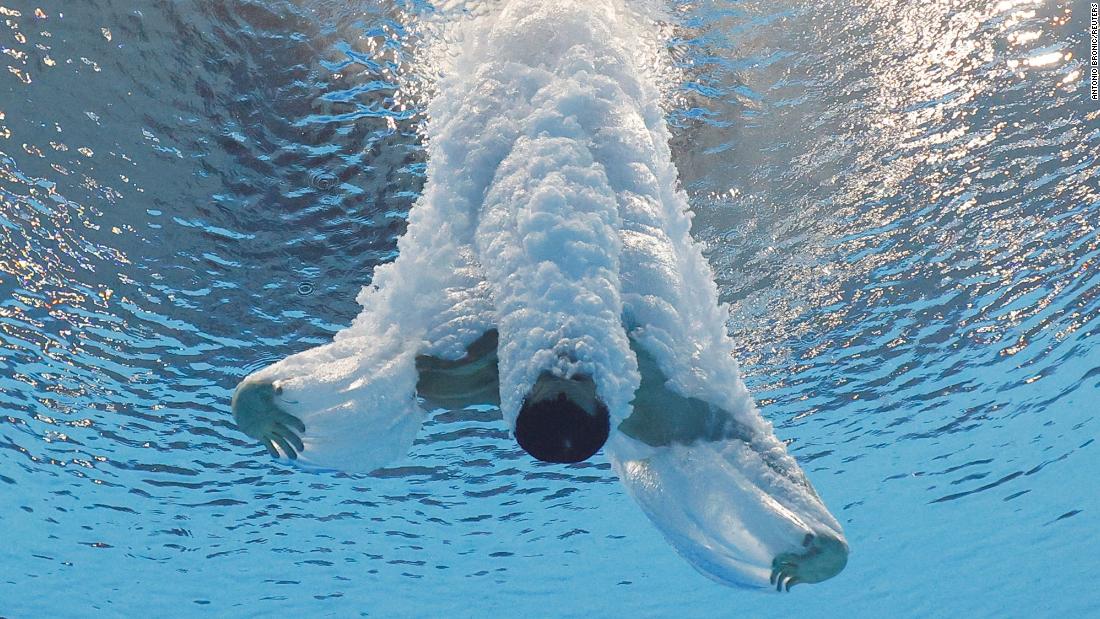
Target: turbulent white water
x=552, y=212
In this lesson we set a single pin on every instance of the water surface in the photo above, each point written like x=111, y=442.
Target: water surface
x=900, y=202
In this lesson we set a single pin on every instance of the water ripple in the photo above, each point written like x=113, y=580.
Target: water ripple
x=900, y=201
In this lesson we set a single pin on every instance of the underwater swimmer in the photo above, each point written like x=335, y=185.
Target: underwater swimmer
x=548, y=268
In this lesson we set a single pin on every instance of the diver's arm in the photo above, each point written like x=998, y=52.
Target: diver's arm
x=662, y=417
x=709, y=471
x=468, y=381
x=264, y=412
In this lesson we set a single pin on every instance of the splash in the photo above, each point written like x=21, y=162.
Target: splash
x=553, y=214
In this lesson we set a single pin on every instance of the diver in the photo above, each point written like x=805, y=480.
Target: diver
x=548, y=268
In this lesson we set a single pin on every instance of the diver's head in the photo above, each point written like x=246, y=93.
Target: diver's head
x=562, y=419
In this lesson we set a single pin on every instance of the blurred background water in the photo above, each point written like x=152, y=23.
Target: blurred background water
x=900, y=201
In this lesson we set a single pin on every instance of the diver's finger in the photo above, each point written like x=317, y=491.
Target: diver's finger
x=285, y=446
x=291, y=421
x=289, y=435
x=792, y=581
x=270, y=448
x=775, y=572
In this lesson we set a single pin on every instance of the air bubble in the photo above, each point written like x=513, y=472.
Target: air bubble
x=322, y=180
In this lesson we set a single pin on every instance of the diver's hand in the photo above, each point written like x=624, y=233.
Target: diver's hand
x=258, y=416
x=825, y=556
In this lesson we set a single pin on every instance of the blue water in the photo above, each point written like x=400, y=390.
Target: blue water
x=900, y=201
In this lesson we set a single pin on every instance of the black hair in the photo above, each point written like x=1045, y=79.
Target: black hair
x=557, y=430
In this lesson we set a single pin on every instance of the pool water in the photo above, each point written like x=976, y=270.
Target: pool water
x=900, y=201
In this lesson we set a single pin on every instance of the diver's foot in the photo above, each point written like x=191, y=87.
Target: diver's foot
x=824, y=557
x=258, y=416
